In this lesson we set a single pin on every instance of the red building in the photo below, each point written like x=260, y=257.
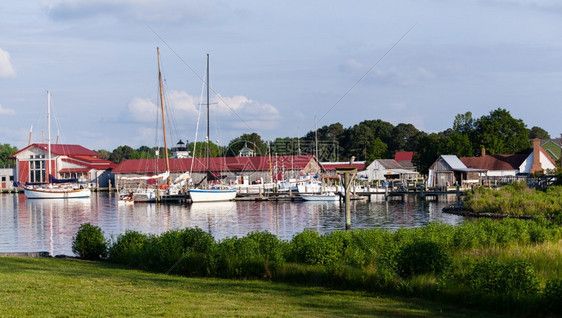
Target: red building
x=67, y=161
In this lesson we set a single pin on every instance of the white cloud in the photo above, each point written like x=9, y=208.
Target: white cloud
x=6, y=111
x=183, y=103
x=242, y=111
x=143, y=110
x=168, y=11
x=6, y=68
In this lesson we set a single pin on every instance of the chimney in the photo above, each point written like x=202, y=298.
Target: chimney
x=536, y=156
x=483, y=151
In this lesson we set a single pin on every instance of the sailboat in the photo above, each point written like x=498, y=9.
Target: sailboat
x=146, y=193
x=216, y=192
x=55, y=188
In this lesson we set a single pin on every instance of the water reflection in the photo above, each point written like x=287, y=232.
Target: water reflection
x=49, y=225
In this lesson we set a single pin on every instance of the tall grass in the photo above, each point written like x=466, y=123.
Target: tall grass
x=516, y=199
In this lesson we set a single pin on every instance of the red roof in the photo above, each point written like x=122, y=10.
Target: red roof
x=495, y=162
x=63, y=149
x=75, y=170
x=91, y=162
x=331, y=166
x=222, y=164
x=403, y=156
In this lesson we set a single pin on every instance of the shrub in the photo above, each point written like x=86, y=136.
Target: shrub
x=128, y=248
x=310, y=248
x=256, y=255
x=512, y=280
x=422, y=257
x=180, y=251
x=89, y=242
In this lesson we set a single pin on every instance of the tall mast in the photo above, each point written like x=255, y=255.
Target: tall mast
x=163, y=117
x=208, y=137
x=48, y=136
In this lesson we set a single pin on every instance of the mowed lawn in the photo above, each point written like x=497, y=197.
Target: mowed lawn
x=68, y=287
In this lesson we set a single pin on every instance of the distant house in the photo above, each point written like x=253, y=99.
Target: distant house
x=231, y=169
x=385, y=169
x=448, y=171
x=67, y=161
x=514, y=164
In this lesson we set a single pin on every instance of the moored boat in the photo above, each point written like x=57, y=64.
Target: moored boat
x=324, y=196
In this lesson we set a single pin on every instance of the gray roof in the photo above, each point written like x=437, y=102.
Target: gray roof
x=390, y=164
x=457, y=165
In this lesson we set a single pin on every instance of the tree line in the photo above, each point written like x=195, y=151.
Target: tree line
x=497, y=132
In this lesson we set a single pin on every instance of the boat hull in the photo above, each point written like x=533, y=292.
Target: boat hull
x=212, y=195
x=56, y=193
x=320, y=197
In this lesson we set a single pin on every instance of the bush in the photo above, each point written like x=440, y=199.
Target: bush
x=128, y=249
x=422, y=257
x=89, y=243
x=256, y=255
x=512, y=280
x=310, y=248
x=184, y=251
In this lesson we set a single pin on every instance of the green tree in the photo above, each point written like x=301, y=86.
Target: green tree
x=459, y=144
x=500, y=133
x=404, y=137
x=201, y=149
x=6, y=152
x=104, y=154
x=252, y=141
x=121, y=154
x=464, y=123
x=378, y=149
x=430, y=147
x=538, y=132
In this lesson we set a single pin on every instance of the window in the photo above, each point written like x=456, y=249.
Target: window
x=37, y=168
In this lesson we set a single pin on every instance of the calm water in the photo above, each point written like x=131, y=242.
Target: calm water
x=49, y=225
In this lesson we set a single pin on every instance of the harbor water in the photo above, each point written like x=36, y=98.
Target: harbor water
x=50, y=224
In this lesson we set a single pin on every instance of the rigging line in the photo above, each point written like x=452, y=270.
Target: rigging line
x=364, y=75
x=200, y=78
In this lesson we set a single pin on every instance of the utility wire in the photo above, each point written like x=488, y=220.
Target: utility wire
x=364, y=75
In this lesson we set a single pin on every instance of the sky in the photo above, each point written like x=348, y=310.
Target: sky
x=277, y=68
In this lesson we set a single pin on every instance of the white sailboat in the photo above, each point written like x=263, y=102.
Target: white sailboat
x=216, y=192
x=143, y=192
x=62, y=190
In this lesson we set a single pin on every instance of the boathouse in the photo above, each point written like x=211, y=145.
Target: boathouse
x=231, y=170
x=449, y=170
x=67, y=161
x=389, y=169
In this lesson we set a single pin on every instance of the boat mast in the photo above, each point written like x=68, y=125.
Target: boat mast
x=47, y=179
x=208, y=137
x=163, y=117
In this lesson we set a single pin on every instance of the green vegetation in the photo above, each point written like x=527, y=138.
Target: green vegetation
x=75, y=288
x=6, y=152
x=89, y=243
x=512, y=266
x=518, y=200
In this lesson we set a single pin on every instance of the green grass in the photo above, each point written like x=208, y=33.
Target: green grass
x=67, y=287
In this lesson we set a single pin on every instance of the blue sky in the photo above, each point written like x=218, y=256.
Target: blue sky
x=275, y=66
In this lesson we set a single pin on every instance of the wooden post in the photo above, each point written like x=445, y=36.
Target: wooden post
x=348, y=173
